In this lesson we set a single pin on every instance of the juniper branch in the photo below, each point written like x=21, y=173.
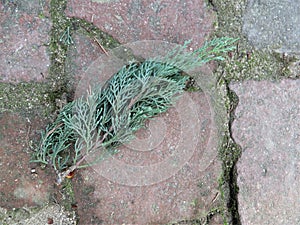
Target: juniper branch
x=110, y=114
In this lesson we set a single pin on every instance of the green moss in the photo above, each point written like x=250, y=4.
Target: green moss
x=229, y=153
x=13, y=216
x=58, y=49
x=90, y=30
x=61, y=81
x=255, y=65
x=246, y=62
x=69, y=195
x=25, y=97
x=192, y=86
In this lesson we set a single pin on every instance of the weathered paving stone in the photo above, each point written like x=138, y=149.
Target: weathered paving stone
x=193, y=190
x=267, y=126
x=26, y=191
x=130, y=20
x=109, y=192
x=24, y=27
x=22, y=183
x=81, y=55
x=114, y=198
x=273, y=24
x=190, y=193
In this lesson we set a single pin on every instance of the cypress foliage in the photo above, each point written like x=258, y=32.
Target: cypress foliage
x=109, y=114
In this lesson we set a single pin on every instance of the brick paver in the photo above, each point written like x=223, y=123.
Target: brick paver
x=267, y=126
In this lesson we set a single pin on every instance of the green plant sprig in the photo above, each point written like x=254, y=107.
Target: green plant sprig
x=109, y=114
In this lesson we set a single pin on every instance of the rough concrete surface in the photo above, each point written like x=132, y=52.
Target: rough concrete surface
x=267, y=126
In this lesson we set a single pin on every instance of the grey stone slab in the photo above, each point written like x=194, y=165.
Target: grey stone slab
x=267, y=126
x=273, y=24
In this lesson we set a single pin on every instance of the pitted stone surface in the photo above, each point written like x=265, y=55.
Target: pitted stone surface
x=188, y=193
x=267, y=126
x=131, y=20
x=24, y=29
x=274, y=24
